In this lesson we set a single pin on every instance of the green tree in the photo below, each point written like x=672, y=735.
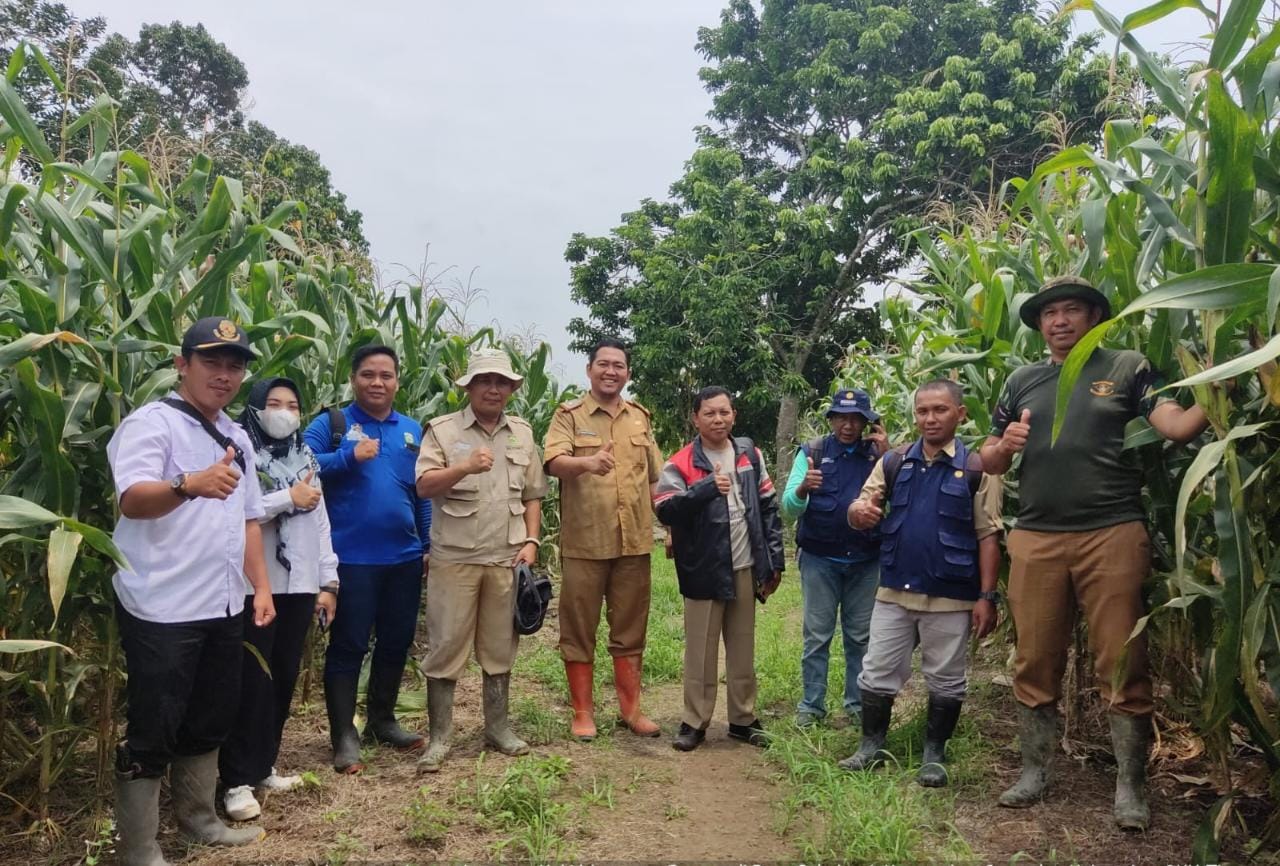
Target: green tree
x=841, y=123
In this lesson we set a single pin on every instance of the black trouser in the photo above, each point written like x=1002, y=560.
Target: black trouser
x=254, y=742
x=183, y=687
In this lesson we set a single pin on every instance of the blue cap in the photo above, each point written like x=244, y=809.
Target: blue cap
x=852, y=401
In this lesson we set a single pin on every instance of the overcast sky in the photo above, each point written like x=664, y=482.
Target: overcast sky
x=490, y=130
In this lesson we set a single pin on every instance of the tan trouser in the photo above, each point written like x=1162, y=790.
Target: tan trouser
x=469, y=605
x=1101, y=573
x=623, y=585
x=704, y=622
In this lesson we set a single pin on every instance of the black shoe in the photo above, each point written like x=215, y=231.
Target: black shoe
x=688, y=738
x=752, y=734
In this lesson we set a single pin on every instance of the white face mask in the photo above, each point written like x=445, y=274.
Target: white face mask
x=278, y=423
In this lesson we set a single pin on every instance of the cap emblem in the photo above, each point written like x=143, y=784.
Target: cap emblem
x=226, y=331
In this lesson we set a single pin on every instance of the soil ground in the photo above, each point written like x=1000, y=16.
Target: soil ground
x=623, y=798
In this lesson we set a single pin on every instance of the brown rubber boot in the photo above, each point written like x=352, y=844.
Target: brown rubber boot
x=580, y=678
x=626, y=679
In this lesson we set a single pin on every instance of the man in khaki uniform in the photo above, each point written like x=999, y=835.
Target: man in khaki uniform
x=481, y=469
x=601, y=447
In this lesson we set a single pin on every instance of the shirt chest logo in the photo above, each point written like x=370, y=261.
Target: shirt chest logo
x=355, y=433
x=1102, y=388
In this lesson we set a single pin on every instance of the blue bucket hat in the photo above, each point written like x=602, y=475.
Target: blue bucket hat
x=852, y=401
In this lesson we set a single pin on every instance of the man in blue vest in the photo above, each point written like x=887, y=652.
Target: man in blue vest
x=839, y=565
x=939, y=561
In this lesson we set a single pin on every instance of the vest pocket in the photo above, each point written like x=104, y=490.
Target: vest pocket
x=959, y=554
x=515, y=523
x=456, y=523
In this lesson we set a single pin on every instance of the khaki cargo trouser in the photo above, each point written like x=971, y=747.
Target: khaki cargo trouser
x=1100, y=572
x=470, y=605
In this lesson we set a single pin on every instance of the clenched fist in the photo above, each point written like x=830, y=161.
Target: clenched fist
x=603, y=461
x=367, y=449
x=218, y=481
x=812, y=479
x=1015, y=435
x=480, y=461
x=304, y=494
x=722, y=481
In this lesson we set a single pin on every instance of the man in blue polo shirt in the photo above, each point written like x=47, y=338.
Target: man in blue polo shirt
x=839, y=565
x=380, y=533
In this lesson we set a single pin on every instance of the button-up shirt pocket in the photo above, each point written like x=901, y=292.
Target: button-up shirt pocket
x=458, y=526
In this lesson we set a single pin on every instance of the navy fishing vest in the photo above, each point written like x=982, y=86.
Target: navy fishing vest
x=823, y=528
x=928, y=541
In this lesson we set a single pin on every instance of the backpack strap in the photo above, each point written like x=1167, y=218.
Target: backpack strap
x=750, y=447
x=973, y=472
x=337, y=426
x=893, y=465
x=814, y=445
x=223, y=441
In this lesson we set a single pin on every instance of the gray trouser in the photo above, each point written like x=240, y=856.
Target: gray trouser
x=944, y=647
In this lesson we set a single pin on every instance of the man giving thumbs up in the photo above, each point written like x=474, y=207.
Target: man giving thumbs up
x=838, y=563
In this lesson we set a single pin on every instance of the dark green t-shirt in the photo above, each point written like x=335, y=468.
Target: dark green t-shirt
x=1087, y=480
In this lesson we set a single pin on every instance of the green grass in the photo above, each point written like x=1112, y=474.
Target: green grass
x=522, y=804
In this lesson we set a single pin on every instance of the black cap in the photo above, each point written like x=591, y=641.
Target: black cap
x=215, y=332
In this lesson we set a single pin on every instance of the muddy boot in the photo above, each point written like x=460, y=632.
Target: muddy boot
x=497, y=730
x=626, y=679
x=877, y=711
x=138, y=820
x=192, y=781
x=940, y=724
x=380, y=706
x=440, y=722
x=1036, y=731
x=1129, y=737
x=340, y=701
x=580, y=677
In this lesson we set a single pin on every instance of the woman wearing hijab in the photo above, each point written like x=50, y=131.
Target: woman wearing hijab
x=304, y=579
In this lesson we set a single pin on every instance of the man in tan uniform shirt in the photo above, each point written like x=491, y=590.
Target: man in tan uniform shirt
x=482, y=471
x=602, y=449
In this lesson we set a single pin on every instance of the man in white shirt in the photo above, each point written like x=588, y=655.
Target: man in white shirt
x=189, y=531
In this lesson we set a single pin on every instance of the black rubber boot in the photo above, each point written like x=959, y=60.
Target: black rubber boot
x=1130, y=737
x=877, y=711
x=1037, y=729
x=380, y=707
x=340, y=701
x=940, y=724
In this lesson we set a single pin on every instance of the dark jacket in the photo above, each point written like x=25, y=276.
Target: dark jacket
x=687, y=501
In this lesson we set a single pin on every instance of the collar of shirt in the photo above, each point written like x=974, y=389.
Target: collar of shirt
x=224, y=423
x=593, y=405
x=948, y=450
x=469, y=418
x=363, y=418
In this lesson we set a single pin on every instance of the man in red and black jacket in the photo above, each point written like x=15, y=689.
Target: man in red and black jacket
x=719, y=501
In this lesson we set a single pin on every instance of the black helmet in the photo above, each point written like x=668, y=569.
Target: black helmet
x=533, y=597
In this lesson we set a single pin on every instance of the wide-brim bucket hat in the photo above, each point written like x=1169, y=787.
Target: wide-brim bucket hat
x=489, y=361
x=1060, y=289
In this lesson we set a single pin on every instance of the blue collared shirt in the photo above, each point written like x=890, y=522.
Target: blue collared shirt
x=375, y=515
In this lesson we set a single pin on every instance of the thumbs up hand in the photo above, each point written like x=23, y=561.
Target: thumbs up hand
x=866, y=513
x=218, y=481
x=812, y=479
x=603, y=461
x=304, y=494
x=1015, y=435
x=722, y=481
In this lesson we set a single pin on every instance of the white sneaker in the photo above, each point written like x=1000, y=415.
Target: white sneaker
x=240, y=803
x=276, y=782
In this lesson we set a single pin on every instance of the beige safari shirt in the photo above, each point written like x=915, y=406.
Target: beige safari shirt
x=987, y=520
x=480, y=520
x=605, y=516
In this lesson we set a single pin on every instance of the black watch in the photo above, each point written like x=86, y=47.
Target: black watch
x=992, y=596
x=178, y=484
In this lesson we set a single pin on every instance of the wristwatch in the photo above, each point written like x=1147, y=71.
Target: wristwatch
x=178, y=484
x=330, y=588
x=992, y=596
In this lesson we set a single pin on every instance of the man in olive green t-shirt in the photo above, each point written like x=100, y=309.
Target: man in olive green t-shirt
x=1081, y=538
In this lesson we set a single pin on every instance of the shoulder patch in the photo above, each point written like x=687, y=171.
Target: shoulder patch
x=634, y=405
x=517, y=420
x=441, y=420
x=570, y=405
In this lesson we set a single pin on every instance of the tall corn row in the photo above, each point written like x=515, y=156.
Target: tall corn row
x=1177, y=219
x=102, y=265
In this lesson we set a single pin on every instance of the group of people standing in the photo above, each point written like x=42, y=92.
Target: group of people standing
x=249, y=531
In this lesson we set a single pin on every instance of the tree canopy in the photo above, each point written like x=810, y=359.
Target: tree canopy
x=838, y=125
